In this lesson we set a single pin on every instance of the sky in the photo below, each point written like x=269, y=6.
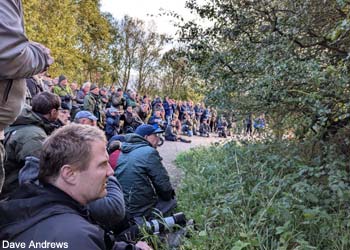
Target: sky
x=143, y=8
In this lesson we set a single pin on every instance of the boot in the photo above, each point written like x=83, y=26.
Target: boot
x=184, y=140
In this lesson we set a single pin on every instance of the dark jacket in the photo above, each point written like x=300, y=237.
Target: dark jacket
x=142, y=176
x=80, y=98
x=45, y=213
x=156, y=121
x=118, y=101
x=170, y=133
x=112, y=124
x=91, y=104
x=107, y=211
x=53, y=217
x=23, y=138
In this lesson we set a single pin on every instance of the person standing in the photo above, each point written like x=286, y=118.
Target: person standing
x=19, y=59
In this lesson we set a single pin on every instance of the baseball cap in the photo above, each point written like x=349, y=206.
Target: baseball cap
x=146, y=129
x=85, y=114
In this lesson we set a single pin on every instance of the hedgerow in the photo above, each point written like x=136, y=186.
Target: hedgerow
x=265, y=196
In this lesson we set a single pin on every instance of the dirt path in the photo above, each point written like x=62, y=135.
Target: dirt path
x=169, y=151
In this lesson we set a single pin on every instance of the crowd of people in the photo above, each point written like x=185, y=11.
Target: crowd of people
x=46, y=145
x=81, y=162
x=119, y=112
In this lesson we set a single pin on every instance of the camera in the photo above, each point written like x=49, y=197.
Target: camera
x=154, y=226
x=158, y=226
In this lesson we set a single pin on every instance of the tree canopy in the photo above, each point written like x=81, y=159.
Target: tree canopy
x=288, y=59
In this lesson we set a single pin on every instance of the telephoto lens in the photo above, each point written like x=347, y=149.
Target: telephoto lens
x=158, y=226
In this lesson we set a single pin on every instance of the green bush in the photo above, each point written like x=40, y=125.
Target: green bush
x=264, y=196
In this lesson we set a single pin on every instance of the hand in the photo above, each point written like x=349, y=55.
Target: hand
x=47, y=51
x=143, y=245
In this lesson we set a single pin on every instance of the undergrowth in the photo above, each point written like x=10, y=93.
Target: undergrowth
x=265, y=196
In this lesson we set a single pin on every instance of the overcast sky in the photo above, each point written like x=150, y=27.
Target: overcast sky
x=142, y=8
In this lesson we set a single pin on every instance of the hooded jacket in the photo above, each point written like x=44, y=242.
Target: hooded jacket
x=38, y=214
x=107, y=211
x=142, y=176
x=23, y=138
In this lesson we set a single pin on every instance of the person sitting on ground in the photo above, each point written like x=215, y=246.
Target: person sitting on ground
x=84, y=90
x=156, y=120
x=131, y=100
x=63, y=115
x=112, y=122
x=85, y=117
x=204, y=128
x=71, y=177
x=178, y=125
x=171, y=133
x=222, y=127
x=130, y=120
x=63, y=90
x=117, y=100
x=143, y=111
x=144, y=179
x=187, y=126
x=93, y=104
x=114, y=149
x=26, y=135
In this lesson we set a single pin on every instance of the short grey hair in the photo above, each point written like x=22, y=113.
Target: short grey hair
x=86, y=84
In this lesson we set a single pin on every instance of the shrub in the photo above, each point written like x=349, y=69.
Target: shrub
x=264, y=196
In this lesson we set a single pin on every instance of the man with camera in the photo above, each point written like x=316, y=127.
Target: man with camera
x=145, y=181
x=55, y=212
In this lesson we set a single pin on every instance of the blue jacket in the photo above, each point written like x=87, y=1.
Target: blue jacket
x=112, y=124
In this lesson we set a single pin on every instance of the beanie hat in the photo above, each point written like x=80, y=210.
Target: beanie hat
x=61, y=78
x=65, y=106
x=93, y=86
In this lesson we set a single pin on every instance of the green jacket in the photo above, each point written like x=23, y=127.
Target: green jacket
x=131, y=102
x=91, y=103
x=62, y=91
x=23, y=138
x=142, y=176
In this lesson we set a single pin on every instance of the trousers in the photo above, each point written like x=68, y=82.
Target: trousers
x=12, y=98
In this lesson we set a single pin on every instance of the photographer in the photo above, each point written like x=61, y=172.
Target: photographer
x=56, y=211
x=144, y=179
